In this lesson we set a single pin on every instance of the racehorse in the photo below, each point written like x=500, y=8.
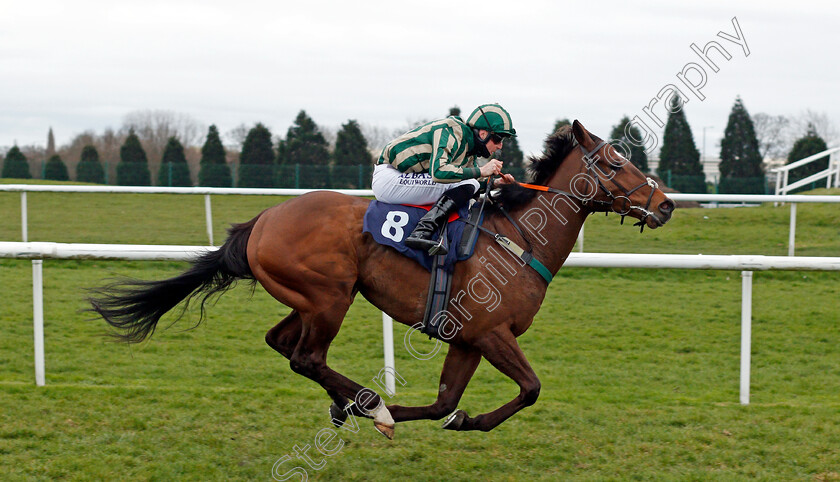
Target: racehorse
x=311, y=255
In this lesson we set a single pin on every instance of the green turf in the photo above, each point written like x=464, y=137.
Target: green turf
x=639, y=368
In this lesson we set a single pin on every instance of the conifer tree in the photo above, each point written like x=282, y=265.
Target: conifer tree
x=15, y=165
x=305, y=151
x=55, y=170
x=351, y=147
x=256, y=159
x=214, y=170
x=455, y=111
x=622, y=143
x=281, y=152
x=50, y=143
x=305, y=144
x=89, y=169
x=174, y=170
x=740, y=166
x=133, y=168
x=804, y=147
x=679, y=155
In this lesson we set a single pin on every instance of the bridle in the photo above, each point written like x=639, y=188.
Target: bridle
x=621, y=205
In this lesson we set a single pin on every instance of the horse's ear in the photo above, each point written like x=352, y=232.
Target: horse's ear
x=582, y=135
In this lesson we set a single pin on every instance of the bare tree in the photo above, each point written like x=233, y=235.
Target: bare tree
x=773, y=134
x=155, y=127
x=376, y=137
x=107, y=145
x=72, y=152
x=36, y=156
x=410, y=124
x=330, y=135
x=822, y=124
x=236, y=137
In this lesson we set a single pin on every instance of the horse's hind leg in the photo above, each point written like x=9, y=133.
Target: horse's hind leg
x=285, y=335
x=283, y=338
x=309, y=359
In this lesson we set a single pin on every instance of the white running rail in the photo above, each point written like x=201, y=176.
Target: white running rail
x=39, y=251
x=207, y=191
x=831, y=174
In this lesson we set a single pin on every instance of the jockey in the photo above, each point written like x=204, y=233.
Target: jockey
x=436, y=163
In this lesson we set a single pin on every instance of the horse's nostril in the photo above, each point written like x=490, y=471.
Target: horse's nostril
x=666, y=206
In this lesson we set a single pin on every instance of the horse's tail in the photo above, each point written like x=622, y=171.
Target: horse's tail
x=134, y=307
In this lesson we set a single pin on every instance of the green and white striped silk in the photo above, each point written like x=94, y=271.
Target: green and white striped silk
x=439, y=147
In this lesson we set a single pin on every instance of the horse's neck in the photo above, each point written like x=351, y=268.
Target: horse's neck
x=552, y=223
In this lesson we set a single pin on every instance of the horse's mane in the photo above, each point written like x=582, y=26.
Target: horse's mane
x=557, y=146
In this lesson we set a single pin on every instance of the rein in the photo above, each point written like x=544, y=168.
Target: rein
x=621, y=205
x=526, y=256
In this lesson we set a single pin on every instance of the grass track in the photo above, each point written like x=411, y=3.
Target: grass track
x=639, y=368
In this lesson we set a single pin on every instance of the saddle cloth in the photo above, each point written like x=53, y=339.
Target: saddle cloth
x=390, y=224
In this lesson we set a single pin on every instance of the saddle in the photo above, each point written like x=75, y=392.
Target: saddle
x=390, y=224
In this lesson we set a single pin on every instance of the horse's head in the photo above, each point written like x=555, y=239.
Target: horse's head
x=606, y=181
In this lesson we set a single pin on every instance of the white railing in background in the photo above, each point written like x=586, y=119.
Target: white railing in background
x=39, y=251
x=831, y=174
x=160, y=252
x=207, y=191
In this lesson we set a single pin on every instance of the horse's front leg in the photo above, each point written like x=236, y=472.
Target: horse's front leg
x=499, y=347
x=458, y=369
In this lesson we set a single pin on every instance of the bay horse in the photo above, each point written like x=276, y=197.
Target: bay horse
x=311, y=255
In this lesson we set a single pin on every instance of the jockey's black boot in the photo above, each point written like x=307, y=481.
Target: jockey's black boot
x=421, y=237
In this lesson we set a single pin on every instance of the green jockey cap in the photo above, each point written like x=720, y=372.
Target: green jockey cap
x=492, y=118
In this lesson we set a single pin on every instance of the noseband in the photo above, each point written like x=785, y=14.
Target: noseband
x=621, y=205
x=589, y=203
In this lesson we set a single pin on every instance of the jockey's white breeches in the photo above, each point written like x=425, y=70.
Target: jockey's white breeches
x=392, y=186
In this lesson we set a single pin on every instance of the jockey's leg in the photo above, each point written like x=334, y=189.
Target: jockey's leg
x=451, y=201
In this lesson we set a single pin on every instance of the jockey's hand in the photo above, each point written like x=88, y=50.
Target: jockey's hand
x=493, y=167
x=506, y=179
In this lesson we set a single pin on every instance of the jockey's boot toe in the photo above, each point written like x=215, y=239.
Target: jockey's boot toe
x=433, y=247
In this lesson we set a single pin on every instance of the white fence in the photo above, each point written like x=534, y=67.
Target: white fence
x=208, y=191
x=831, y=174
x=40, y=251
x=746, y=264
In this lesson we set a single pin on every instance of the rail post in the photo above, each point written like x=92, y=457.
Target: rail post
x=208, y=214
x=388, y=345
x=23, y=218
x=746, y=334
x=792, y=233
x=38, y=319
x=580, y=238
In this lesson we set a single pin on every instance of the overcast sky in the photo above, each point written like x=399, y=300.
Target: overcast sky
x=83, y=65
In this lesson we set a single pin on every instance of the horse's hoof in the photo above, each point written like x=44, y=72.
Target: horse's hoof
x=454, y=421
x=383, y=421
x=337, y=415
x=386, y=430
